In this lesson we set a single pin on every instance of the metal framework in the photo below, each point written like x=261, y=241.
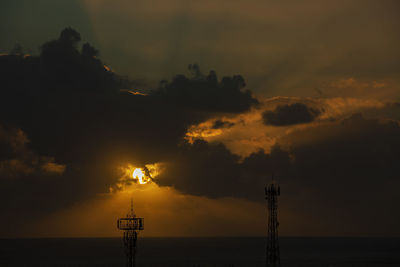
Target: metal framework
x=272, y=191
x=130, y=225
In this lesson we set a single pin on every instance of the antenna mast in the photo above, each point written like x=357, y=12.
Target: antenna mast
x=130, y=225
x=272, y=191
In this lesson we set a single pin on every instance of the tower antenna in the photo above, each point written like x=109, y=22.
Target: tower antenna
x=131, y=226
x=272, y=191
x=132, y=214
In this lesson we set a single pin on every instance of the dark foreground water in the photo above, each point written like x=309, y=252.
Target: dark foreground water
x=190, y=252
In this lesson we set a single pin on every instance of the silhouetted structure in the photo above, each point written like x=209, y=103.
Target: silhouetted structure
x=272, y=191
x=130, y=225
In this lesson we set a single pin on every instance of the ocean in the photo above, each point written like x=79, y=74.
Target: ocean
x=200, y=252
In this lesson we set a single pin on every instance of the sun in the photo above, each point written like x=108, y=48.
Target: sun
x=133, y=174
x=140, y=176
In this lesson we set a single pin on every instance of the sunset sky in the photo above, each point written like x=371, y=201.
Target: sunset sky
x=211, y=98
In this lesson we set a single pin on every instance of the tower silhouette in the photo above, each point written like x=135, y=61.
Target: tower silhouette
x=130, y=225
x=272, y=191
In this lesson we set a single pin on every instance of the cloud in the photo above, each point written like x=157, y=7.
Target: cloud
x=84, y=122
x=205, y=93
x=14, y=168
x=79, y=114
x=332, y=172
x=365, y=88
x=212, y=170
x=248, y=133
x=17, y=160
x=67, y=90
x=285, y=49
x=52, y=167
x=222, y=124
x=338, y=164
x=290, y=114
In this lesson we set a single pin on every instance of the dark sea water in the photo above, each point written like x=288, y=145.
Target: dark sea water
x=190, y=252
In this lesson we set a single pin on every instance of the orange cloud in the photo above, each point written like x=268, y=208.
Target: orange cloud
x=54, y=168
x=249, y=134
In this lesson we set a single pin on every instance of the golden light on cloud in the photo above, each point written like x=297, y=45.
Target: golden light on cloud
x=52, y=167
x=203, y=130
x=242, y=134
x=132, y=92
x=202, y=133
x=155, y=169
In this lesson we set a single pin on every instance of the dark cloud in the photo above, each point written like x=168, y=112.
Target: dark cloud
x=205, y=93
x=31, y=185
x=16, y=159
x=218, y=124
x=347, y=173
x=75, y=112
x=212, y=170
x=66, y=97
x=290, y=114
x=341, y=176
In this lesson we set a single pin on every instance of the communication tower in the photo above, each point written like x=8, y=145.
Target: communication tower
x=272, y=191
x=130, y=225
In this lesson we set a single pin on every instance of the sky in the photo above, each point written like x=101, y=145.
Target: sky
x=211, y=98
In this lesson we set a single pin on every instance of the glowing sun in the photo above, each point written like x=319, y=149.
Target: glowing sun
x=139, y=175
